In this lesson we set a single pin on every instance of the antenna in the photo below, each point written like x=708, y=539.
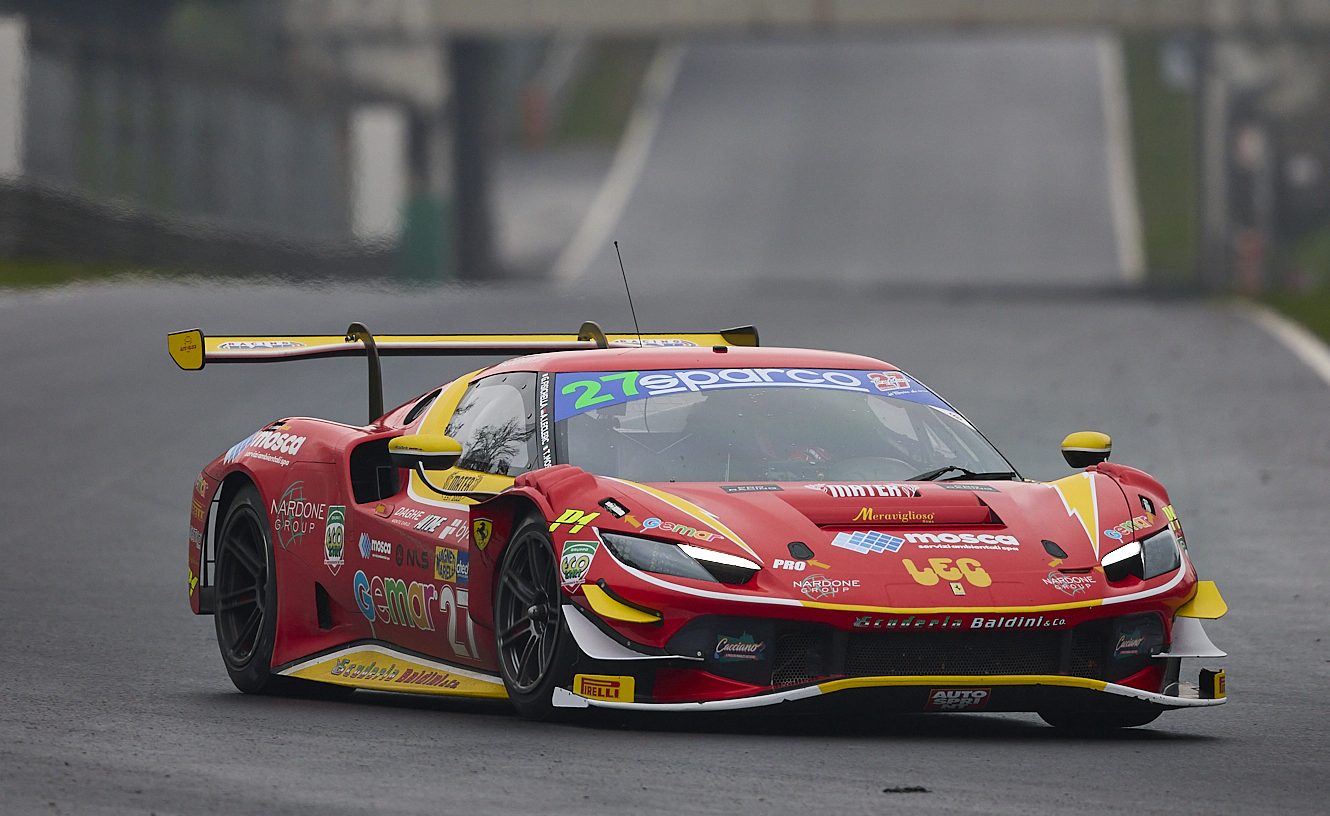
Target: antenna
x=636, y=327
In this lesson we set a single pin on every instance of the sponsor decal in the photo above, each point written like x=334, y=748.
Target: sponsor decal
x=546, y=437
x=392, y=600
x=861, y=491
x=1070, y=584
x=274, y=440
x=614, y=508
x=963, y=541
x=604, y=687
x=259, y=345
x=408, y=514
x=659, y=342
x=197, y=510
x=957, y=588
x=383, y=510
x=481, y=530
x=334, y=538
x=575, y=562
x=201, y=486
x=385, y=671
x=460, y=483
x=578, y=392
x=575, y=519
x=888, y=380
x=294, y=516
x=958, y=699
x=820, y=586
x=789, y=564
x=196, y=536
x=454, y=529
x=684, y=530
x=1129, y=644
x=959, y=621
x=410, y=556
x=193, y=581
x=732, y=649
x=752, y=488
x=1174, y=524
x=1131, y=525
x=868, y=541
x=451, y=565
x=374, y=548
x=430, y=523
x=942, y=569
x=975, y=488
x=391, y=674
x=896, y=516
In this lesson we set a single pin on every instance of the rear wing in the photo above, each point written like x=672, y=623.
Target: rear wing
x=192, y=350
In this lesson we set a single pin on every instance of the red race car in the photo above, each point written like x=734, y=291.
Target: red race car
x=686, y=522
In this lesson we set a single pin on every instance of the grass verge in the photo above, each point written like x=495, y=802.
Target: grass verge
x=19, y=273
x=1311, y=309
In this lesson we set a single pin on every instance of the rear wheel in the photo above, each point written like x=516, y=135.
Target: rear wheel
x=1089, y=722
x=246, y=613
x=536, y=652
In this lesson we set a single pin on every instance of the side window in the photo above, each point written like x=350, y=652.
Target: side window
x=495, y=422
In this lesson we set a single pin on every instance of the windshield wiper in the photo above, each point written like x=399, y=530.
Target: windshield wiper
x=965, y=474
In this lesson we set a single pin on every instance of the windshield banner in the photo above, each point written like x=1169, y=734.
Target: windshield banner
x=578, y=392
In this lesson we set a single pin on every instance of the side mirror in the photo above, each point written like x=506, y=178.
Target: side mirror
x=424, y=451
x=1085, y=448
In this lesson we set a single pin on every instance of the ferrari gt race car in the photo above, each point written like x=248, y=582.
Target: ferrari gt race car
x=686, y=522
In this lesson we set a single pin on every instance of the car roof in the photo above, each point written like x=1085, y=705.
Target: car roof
x=625, y=359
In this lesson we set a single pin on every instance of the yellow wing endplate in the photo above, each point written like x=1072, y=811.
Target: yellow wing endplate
x=192, y=349
x=1207, y=603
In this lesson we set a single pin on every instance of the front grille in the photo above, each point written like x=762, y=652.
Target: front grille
x=897, y=653
x=806, y=655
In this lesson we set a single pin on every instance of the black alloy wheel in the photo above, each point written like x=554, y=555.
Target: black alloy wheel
x=246, y=594
x=534, y=647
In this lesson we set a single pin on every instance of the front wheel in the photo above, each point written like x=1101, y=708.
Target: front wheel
x=1090, y=722
x=535, y=649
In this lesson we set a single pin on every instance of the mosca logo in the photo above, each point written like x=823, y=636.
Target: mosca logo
x=390, y=600
x=374, y=548
x=976, y=541
x=868, y=541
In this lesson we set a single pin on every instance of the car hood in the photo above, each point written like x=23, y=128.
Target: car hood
x=916, y=545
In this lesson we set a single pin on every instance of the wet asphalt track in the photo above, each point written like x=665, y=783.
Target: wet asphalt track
x=115, y=701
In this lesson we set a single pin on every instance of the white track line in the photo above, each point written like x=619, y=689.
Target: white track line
x=1306, y=346
x=1122, y=199
x=626, y=169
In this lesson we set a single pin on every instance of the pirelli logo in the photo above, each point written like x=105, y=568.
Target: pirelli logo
x=604, y=687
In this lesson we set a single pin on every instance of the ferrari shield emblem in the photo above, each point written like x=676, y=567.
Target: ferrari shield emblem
x=481, y=530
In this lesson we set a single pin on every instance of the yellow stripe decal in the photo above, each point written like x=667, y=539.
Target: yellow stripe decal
x=1078, y=496
x=689, y=509
x=608, y=607
x=957, y=680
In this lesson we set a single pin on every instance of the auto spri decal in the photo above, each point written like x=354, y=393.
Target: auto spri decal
x=579, y=392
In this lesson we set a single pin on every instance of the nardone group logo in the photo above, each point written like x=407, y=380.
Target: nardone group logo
x=294, y=516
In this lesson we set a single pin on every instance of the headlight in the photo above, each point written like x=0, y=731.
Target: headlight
x=1145, y=559
x=682, y=560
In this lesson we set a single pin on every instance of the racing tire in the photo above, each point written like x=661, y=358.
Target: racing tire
x=536, y=651
x=1092, y=722
x=246, y=614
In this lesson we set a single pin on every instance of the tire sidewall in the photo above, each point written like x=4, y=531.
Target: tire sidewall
x=537, y=703
x=255, y=676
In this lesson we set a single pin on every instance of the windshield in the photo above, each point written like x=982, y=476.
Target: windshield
x=768, y=424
